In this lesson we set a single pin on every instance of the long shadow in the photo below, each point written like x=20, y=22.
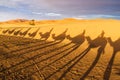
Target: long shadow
x=60, y=37
x=32, y=35
x=31, y=50
x=36, y=43
x=5, y=31
x=17, y=32
x=11, y=31
x=46, y=35
x=77, y=40
x=70, y=62
x=48, y=52
x=24, y=33
x=100, y=42
x=37, y=56
x=17, y=41
x=116, y=48
x=74, y=47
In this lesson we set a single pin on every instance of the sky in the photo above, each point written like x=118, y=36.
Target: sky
x=59, y=9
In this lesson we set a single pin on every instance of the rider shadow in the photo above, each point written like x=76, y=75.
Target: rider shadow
x=17, y=32
x=116, y=49
x=46, y=35
x=24, y=33
x=60, y=37
x=11, y=31
x=100, y=42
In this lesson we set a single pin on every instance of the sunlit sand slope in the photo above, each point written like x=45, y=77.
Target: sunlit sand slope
x=67, y=49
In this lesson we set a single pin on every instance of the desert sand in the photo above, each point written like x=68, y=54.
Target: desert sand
x=67, y=49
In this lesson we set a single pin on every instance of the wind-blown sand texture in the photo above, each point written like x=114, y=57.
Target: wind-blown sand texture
x=67, y=49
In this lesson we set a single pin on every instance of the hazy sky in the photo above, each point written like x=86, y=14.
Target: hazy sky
x=57, y=9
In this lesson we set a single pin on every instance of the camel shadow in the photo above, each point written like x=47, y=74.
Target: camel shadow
x=11, y=31
x=24, y=33
x=5, y=31
x=60, y=37
x=116, y=49
x=100, y=42
x=32, y=35
x=78, y=40
x=17, y=32
x=46, y=35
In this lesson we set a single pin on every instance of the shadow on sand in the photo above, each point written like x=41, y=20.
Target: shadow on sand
x=77, y=41
x=24, y=33
x=32, y=35
x=100, y=42
x=116, y=48
x=36, y=56
x=45, y=36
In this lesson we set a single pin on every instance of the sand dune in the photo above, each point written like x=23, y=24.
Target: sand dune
x=47, y=52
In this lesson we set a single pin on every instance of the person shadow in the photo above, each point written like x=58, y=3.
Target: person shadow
x=11, y=31
x=5, y=31
x=24, y=33
x=116, y=49
x=60, y=37
x=32, y=35
x=100, y=42
x=17, y=32
x=46, y=35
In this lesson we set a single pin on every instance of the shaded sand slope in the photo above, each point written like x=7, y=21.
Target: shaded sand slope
x=66, y=49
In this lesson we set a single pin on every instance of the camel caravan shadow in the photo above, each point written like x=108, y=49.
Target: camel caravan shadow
x=65, y=52
x=99, y=42
x=8, y=31
x=38, y=46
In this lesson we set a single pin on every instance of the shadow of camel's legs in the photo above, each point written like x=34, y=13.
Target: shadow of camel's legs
x=109, y=67
x=76, y=59
x=26, y=51
x=37, y=56
x=93, y=64
x=40, y=55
